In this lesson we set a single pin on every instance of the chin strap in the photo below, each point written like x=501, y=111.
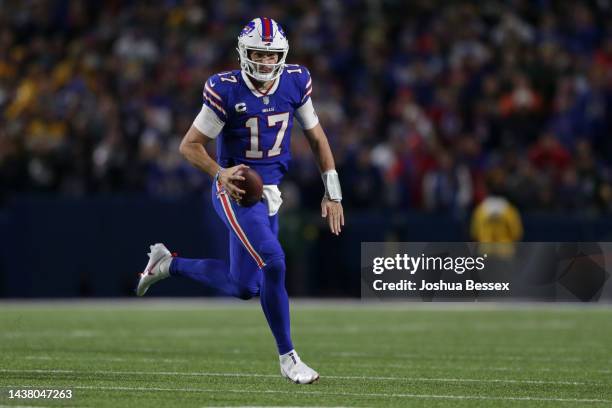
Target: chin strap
x=332, y=185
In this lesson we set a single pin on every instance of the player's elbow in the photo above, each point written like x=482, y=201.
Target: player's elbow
x=184, y=148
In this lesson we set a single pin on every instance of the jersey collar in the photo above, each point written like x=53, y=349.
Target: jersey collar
x=254, y=90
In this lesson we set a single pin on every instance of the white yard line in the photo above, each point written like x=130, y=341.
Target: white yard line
x=557, y=359
x=326, y=329
x=463, y=357
x=110, y=359
x=345, y=304
x=180, y=333
x=464, y=368
x=334, y=377
x=348, y=362
x=343, y=394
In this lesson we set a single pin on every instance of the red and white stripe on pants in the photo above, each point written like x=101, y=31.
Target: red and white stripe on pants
x=233, y=221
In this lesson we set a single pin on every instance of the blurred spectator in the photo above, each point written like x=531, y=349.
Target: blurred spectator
x=496, y=220
x=448, y=186
x=549, y=156
x=363, y=183
x=496, y=224
x=422, y=101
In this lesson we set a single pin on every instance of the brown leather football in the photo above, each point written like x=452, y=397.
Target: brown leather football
x=252, y=185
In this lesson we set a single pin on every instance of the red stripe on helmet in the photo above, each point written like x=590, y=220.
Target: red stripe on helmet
x=267, y=29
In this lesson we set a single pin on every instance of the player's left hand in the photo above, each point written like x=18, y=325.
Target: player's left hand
x=332, y=210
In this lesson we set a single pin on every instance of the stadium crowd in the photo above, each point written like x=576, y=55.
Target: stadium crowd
x=430, y=105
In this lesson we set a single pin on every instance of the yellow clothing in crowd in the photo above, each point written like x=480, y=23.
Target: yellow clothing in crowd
x=496, y=220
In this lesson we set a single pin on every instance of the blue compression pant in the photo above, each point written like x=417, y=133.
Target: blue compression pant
x=256, y=265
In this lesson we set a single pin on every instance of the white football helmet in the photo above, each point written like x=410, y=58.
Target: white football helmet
x=262, y=34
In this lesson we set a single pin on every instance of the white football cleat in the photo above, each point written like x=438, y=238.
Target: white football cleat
x=293, y=368
x=153, y=273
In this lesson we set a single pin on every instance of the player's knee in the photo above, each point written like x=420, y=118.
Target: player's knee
x=246, y=292
x=274, y=271
x=271, y=251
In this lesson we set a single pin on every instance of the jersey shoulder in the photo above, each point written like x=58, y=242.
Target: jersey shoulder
x=218, y=89
x=223, y=82
x=299, y=75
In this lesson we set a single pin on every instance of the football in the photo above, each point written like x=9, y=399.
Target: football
x=252, y=185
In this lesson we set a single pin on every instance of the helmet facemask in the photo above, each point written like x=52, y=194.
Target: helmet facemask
x=254, y=69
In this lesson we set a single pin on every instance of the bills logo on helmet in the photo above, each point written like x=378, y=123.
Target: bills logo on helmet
x=247, y=29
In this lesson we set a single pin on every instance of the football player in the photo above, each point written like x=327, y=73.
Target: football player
x=250, y=114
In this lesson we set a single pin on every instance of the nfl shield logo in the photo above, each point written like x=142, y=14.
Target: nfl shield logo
x=266, y=100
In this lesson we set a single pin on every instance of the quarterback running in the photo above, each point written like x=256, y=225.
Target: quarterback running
x=250, y=113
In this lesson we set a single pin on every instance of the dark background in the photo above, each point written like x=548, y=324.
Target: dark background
x=429, y=107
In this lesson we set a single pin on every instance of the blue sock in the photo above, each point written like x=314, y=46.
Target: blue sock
x=212, y=273
x=275, y=304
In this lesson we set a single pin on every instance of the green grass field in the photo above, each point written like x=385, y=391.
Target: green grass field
x=197, y=354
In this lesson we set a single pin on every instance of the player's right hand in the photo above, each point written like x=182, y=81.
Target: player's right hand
x=227, y=178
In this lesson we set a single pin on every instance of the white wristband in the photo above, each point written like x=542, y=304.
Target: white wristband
x=332, y=185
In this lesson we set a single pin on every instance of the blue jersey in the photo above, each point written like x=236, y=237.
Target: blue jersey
x=257, y=127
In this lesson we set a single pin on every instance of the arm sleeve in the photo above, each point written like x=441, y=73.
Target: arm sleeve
x=213, y=98
x=306, y=115
x=307, y=88
x=208, y=123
